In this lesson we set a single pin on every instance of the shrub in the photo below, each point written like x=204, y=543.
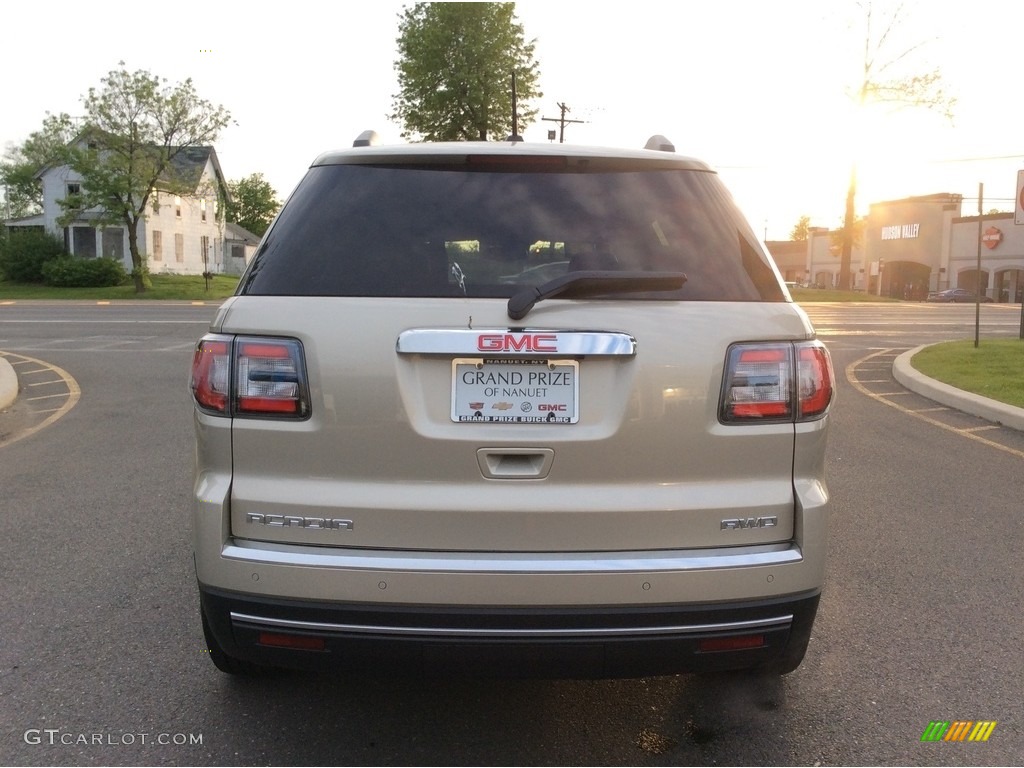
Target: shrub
x=24, y=252
x=84, y=273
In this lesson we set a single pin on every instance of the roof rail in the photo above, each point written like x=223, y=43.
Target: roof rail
x=660, y=143
x=367, y=139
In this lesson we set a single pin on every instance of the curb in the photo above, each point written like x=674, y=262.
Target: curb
x=976, y=405
x=8, y=384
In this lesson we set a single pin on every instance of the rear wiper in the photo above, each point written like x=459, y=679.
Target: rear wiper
x=592, y=283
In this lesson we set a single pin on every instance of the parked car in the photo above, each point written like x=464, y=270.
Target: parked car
x=510, y=409
x=958, y=295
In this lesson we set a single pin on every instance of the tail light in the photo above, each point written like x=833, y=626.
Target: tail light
x=250, y=376
x=210, y=374
x=776, y=382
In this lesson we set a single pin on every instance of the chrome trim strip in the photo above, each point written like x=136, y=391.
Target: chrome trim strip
x=377, y=629
x=268, y=553
x=487, y=341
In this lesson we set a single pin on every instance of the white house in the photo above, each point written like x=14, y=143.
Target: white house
x=239, y=247
x=180, y=234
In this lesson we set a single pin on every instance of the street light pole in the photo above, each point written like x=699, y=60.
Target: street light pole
x=977, y=274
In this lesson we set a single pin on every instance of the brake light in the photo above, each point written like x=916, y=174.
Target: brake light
x=776, y=382
x=815, y=380
x=250, y=376
x=267, y=377
x=210, y=374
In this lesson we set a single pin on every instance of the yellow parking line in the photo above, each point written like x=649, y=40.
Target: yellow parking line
x=74, y=394
x=851, y=376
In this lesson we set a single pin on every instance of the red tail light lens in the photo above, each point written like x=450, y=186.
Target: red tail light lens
x=776, y=382
x=815, y=379
x=758, y=383
x=269, y=377
x=210, y=366
x=250, y=376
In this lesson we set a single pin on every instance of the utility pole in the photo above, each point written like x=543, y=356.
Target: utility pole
x=562, y=121
x=977, y=274
x=515, y=112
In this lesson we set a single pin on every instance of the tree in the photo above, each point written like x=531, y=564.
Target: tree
x=136, y=125
x=455, y=68
x=882, y=82
x=802, y=230
x=23, y=195
x=848, y=233
x=253, y=203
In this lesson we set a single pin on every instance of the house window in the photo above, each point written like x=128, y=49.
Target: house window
x=113, y=243
x=177, y=206
x=238, y=251
x=179, y=247
x=202, y=209
x=84, y=241
x=73, y=191
x=158, y=245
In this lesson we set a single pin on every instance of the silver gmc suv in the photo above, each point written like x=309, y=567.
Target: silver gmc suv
x=510, y=409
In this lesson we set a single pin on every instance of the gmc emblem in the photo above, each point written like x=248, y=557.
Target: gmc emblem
x=517, y=342
x=740, y=523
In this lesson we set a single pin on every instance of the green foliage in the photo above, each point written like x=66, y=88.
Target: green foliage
x=254, y=203
x=854, y=239
x=455, y=68
x=71, y=272
x=23, y=253
x=135, y=127
x=801, y=231
x=140, y=274
x=169, y=287
x=20, y=164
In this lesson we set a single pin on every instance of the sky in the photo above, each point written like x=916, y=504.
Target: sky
x=758, y=90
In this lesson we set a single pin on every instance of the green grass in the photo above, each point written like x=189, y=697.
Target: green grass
x=994, y=370
x=811, y=295
x=165, y=287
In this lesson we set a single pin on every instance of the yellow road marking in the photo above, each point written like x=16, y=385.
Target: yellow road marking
x=74, y=394
x=851, y=376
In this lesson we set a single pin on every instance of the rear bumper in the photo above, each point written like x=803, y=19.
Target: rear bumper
x=557, y=641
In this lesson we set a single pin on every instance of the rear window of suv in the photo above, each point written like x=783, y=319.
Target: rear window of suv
x=488, y=232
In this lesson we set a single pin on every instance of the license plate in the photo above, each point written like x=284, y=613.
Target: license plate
x=515, y=391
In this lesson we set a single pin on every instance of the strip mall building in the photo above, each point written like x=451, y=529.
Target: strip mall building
x=913, y=246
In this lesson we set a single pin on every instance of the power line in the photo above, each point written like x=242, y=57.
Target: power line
x=562, y=121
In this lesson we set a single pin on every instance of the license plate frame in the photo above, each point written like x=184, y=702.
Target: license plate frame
x=515, y=391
